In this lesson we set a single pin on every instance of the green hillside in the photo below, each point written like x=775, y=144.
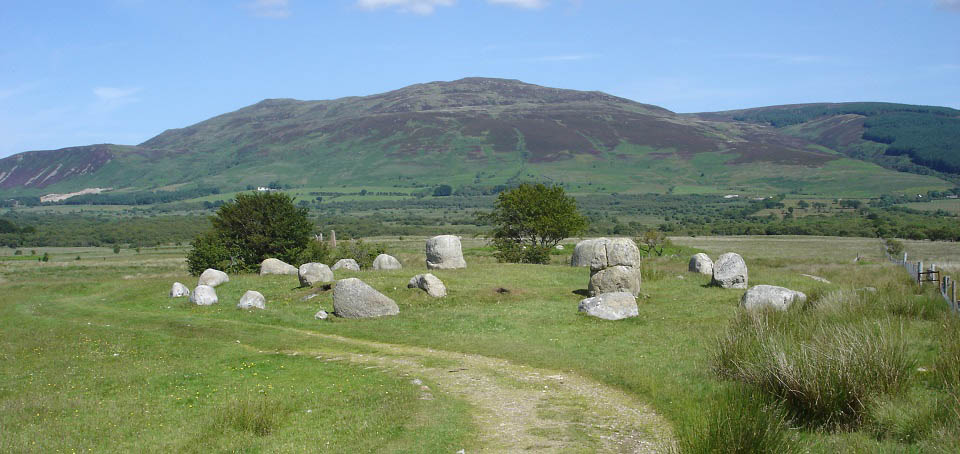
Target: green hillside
x=471, y=133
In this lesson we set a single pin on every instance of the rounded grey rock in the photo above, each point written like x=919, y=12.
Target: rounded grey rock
x=347, y=264
x=610, y=306
x=353, y=298
x=701, y=263
x=213, y=277
x=615, y=279
x=445, y=253
x=428, y=283
x=779, y=298
x=311, y=273
x=321, y=315
x=204, y=295
x=252, y=299
x=730, y=271
x=614, y=252
x=386, y=262
x=583, y=252
x=276, y=266
x=179, y=290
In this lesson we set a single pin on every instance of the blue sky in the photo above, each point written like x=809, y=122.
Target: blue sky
x=122, y=71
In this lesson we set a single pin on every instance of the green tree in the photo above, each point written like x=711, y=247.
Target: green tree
x=250, y=229
x=531, y=219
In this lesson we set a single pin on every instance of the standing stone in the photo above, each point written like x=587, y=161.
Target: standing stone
x=275, y=266
x=583, y=252
x=347, y=264
x=311, y=273
x=213, y=277
x=179, y=290
x=614, y=252
x=353, y=298
x=701, y=263
x=252, y=299
x=779, y=298
x=444, y=252
x=730, y=271
x=428, y=283
x=204, y=295
x=615, y=279
x=333, y=239
x=386, y=262
x=610, y=306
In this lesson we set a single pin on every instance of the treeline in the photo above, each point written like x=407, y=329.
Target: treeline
x=792, y=116
x=929, y=140
x=140, y=197
x=18, y=230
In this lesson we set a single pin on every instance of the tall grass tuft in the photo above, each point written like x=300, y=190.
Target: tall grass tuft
x=742, y=420
x=947, y=365
x=257, y=415
x=822, y=372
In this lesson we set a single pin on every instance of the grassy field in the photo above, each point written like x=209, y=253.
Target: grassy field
x=98, y=358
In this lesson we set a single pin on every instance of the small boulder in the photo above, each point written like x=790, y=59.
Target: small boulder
x=311, y=273
x=444, y=253
x=179, y=290
x=275, y=266
x=430, y=284
x=779, y=298
x=321, y=315
x=615, y=279
x=204, y=295
x=386, y=262
x=252, y=299
x=213, y=277
x=610, y=306
x=583, y=252
x=730, y=271
x=614, y=252
x=353, y=298
x=347, y=264
x=701, y=263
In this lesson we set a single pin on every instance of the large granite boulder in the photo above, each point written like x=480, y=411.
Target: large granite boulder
x=615, y=279
x=346, y=264
x=179, y=290
x=252, y=299
x=701, y=263
x=428, y=283
x=213, y=277
x=275, y=266
x=779, y=298
x=614, y=252
x=730, y=271
x=386, y=262
x=204, y=295
x=610, y=306
x=353, y=298
x=583, y=252
x=311, y=273
x=444, y=253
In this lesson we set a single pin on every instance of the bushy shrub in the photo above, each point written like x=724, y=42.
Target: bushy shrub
x=316, y=251
x=363, y=253
x=512, y=252
x=210, y=251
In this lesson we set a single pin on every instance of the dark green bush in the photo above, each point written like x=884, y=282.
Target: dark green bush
x=362, y=252
x=209, y=251
x=512, y=252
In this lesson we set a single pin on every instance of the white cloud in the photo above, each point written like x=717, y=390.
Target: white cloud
x=276, y=9
x=526, y=4
x=110, y=98
x=410, y=6
x=952, y=5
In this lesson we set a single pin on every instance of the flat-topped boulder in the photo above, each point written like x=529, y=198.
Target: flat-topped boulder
x=179, y=290
x=444, y=253
x=312, y=273
x=583, y=252
x=428, y=283
x=386, y=262
x=701, y=263
x=610, y=306
x=730, y=271
x=346, y=264
x=615, y=279
x=763, y=296
x=204, y=295
x=353, y=298
x=614, y=252
x=252, y=299
x=213, y=277
x=276, y=266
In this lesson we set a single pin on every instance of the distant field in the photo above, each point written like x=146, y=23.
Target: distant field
x=949, y=205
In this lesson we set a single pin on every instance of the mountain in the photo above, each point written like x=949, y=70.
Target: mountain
x=919, y=139
x=474, y=131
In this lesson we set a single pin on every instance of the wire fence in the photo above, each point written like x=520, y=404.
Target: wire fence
x=929, y=275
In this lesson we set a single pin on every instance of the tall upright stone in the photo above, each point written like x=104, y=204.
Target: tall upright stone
x=614, y=267
x=444, y=252
x=730, y=271
x=333, y=238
